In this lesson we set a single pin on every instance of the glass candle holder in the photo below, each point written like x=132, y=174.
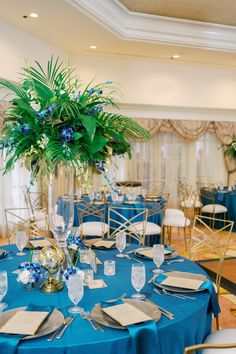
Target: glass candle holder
x=109, y=267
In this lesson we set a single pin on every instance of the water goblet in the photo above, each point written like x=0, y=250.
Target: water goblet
x=75, y=286
x=138, y=278
x=120, y=243
x=3, y=289
x=158, y=257
x=91, y=196
x=21, y=240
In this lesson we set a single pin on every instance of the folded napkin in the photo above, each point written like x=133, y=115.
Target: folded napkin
x=9, y=342
x=3, y=253
x=144, y=335
x=214, y=306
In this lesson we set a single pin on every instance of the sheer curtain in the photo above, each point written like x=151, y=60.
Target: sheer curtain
x=166, y=157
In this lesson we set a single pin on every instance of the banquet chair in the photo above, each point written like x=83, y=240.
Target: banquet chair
x=189, y=199
x=216, y=241
x=211, y=208
x=130, y=220
x=91, y=220
x=153, y=188
x=222, y=341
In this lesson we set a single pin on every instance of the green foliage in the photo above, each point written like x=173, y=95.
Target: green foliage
x=52, y=120
x=230, y=149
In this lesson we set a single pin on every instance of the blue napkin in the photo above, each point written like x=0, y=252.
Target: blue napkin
x=207, y=285
x=9, y=342
x=144, y=335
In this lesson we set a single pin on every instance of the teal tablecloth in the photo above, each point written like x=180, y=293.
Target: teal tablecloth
x=191, y=325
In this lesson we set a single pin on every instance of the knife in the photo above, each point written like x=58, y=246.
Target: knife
x=65, y=327
x=53, y=334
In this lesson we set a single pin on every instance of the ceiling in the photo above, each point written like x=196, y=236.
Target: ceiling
x=67, y=27
x=213, y=11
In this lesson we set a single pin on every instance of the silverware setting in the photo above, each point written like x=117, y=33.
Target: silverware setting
x=60, y=334
x=6, y=259
x=175, y=261
x=86, y=315
x=110, y=301
x=152, y=279
x=53, y=334
x=179, y=296
x=132, y=258
x=163, y=311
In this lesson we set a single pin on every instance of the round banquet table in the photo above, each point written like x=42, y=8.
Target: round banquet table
x=191, y=324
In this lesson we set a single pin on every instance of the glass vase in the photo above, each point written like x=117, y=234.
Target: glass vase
x=61, y=205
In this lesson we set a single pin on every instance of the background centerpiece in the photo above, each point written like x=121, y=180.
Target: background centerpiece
x=59, y=129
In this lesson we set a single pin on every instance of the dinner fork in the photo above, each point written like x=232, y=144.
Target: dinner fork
x=131, y=258
x=175, y=260
x=85, y=317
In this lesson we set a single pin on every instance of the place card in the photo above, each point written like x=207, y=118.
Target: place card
x=24, y=322
x=96, y=284
x=126, y=314
x=184, y=283
x=39, y=243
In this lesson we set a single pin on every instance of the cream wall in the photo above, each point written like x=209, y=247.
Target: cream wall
x=149, y=88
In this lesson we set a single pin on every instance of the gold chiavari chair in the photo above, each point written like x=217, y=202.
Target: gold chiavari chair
x=153, y=189
x=216, y=241
x=91, y=220
x=130, y=220
x=224, y=343
x=211, y=208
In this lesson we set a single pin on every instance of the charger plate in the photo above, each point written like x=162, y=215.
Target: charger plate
x=172, y=255
x=52, y=322
x=175, y=289
x=146, y=307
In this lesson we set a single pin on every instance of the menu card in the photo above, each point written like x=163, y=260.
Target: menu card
x=185, y=283
x=24, y=322
x=126, y=314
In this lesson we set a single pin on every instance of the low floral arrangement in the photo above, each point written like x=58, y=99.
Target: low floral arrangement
x=30, y=273
x=51, y=120
x=70, y=272
x=230, y=149
x=74, y=243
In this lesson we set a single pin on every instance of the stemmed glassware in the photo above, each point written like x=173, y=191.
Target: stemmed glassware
x=120, y=243
x=158, y=257
x=75, y=292
x=138, y=279
x=91, y=196
x=3, y=289
x=21, y=241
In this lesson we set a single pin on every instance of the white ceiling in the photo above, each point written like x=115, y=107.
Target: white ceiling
x=71, y=29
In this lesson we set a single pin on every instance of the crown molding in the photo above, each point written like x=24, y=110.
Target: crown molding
x=177, y=112
x=157, y=29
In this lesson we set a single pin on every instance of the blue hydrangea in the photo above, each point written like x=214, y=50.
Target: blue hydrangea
x=75, y=240
x=47, y=112
x=34, y=269
x=68, y=272
x=94, y=110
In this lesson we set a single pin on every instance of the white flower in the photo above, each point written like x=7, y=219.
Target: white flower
x=73, y=246
x=24, y=276
x=36, y=106
x=234, y=145
x=43, y=141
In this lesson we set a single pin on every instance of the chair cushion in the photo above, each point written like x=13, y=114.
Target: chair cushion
x=93, y=228
x=172, y=211
x=223, y=336
x=151, y=228
x=214, y=208
x=176, y=221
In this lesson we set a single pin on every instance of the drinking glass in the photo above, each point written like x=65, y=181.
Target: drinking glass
x=109, y=267
x=75, y=292
x=91, y=196
x=120, y=243
x=158, y=257
x=3, y=289
x=21, y=241
x=138, y=278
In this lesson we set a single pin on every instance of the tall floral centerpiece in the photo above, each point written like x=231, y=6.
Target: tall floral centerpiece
x=57, y=128
x=230, y=149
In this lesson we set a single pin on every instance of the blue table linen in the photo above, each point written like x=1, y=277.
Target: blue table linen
x=144, y=335
x=207, y=285
x=9, y=342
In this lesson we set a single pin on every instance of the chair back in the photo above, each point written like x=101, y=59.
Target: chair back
x=216, y=241
x=152, y=189
x=91, y=212
x=128, y=220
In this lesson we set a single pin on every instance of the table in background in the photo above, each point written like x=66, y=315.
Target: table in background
x=191, y=324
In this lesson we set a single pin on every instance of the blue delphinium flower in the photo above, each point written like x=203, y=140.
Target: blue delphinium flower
x=47, y=112
x=94, y=110
x=91, y=91
x=75, y=242
x=25, y=128
x=67, y=134
x=68, y=272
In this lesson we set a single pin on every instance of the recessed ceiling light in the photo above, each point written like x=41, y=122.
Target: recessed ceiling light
x=175, y=56
x=34, y=15
x=93, y=47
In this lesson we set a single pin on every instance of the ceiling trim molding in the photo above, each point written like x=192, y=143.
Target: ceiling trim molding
x=177, y=112
x=144, y=27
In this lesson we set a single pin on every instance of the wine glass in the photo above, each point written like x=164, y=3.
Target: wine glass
x=75, y=292
x=158, y=257
x=21, y=241
x=138, y=278
x=120, y=243
x=3, y=289
x=91, y=196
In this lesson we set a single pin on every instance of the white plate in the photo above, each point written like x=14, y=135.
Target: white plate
x=53, y=322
